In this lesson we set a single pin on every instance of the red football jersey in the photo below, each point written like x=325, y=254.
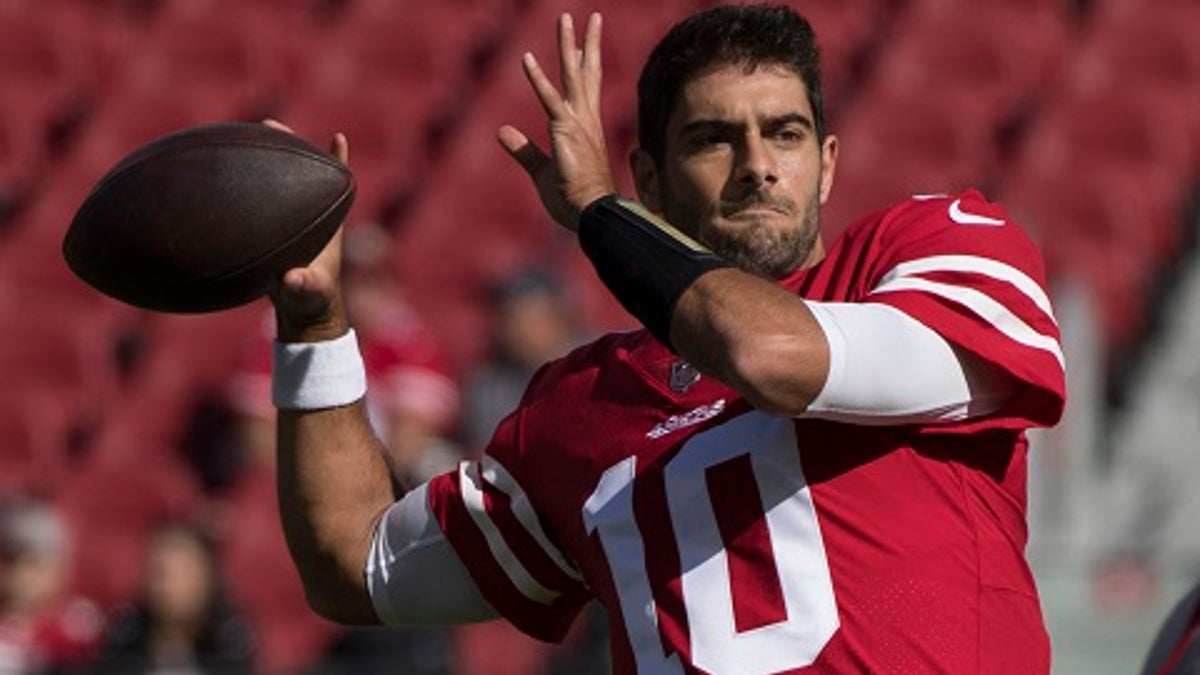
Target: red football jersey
x=723, y=540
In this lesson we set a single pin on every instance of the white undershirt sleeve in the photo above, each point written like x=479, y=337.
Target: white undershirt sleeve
x=414, y=575
x=885, y=367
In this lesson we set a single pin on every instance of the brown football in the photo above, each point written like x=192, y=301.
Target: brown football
x=207, y=218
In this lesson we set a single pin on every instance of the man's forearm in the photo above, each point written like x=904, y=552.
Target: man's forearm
x=333, y=486
x=755, y=337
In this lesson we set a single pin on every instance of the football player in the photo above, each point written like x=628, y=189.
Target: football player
x=812, y=460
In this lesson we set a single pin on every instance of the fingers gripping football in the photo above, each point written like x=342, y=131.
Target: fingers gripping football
x=308, y=300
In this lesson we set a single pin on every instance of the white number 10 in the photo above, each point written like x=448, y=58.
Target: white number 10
x=796, y=546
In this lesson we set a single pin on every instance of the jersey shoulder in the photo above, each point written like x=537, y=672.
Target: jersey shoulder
x=582, y=366
x=965, y=224
x=921, y=213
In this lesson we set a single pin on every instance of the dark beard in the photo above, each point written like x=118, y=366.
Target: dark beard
x=765, y=253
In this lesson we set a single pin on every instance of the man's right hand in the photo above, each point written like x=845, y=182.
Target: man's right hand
x=308, y=300
x=576, y=172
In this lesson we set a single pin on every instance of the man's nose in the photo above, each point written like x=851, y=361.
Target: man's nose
x=756, y=162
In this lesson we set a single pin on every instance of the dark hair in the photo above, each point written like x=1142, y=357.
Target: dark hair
x=749, y=35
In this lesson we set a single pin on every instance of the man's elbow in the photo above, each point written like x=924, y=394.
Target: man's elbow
x=345, y=606
x=777, y=377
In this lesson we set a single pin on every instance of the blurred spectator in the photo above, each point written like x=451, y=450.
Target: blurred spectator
x=1151, y=505
x=534, y=323
x=414, y=399
x=43, y=628
x=1176, y=647
x=183, y=623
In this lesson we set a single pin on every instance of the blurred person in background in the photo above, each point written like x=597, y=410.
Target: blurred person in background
x=183, y=622
x=415, y=397
x=1176, y=647
x=1148, y=517
x=43, y=627
x=534, y=324
x=1152, y=508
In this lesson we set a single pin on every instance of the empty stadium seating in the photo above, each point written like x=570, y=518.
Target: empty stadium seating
x=238, y=53
x=388, y=139
x=50, y=63
x=988, y=61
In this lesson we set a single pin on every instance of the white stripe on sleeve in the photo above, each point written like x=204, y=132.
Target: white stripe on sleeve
x=975, y=265
x=983, y=306
x=471, y=485
x=495, y=474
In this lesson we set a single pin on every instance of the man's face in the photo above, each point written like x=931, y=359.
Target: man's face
x=743, y=171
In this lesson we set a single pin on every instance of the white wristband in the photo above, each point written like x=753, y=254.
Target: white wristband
x=316, y=375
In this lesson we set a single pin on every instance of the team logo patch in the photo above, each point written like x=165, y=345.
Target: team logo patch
x=683, y=376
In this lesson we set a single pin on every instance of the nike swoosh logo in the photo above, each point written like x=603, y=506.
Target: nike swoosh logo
x=963, y=218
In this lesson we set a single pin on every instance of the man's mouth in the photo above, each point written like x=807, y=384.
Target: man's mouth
x=754, y=209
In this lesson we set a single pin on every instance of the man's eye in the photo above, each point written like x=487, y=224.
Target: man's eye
x=790, y=135
x=706, y=140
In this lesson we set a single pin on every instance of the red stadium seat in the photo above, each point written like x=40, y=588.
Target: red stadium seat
x=987, y=60
x=59, y=335
x=202, y=350
x=419, y=53
x=1157, y=46
x=116, y=11
x=388, y=138
x=847, y=32
x=46, y=349
x=128, y=119
x=1151, y=57
x=33, y=432
x=630, y=31
x=20, y=450
x=232, y=52
x=893, y=147
x=49, y=63
x=1116, y=11
x=1116, y=131
x=499, y=648
x=407, y=69
x=447, y=248
x=23, y=157
x=33, y=273
x=1092, y=226
x=472, y=15
x=595, y=304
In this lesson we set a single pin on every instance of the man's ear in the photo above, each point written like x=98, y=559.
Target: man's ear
x=645, y=179
x=829, y=156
